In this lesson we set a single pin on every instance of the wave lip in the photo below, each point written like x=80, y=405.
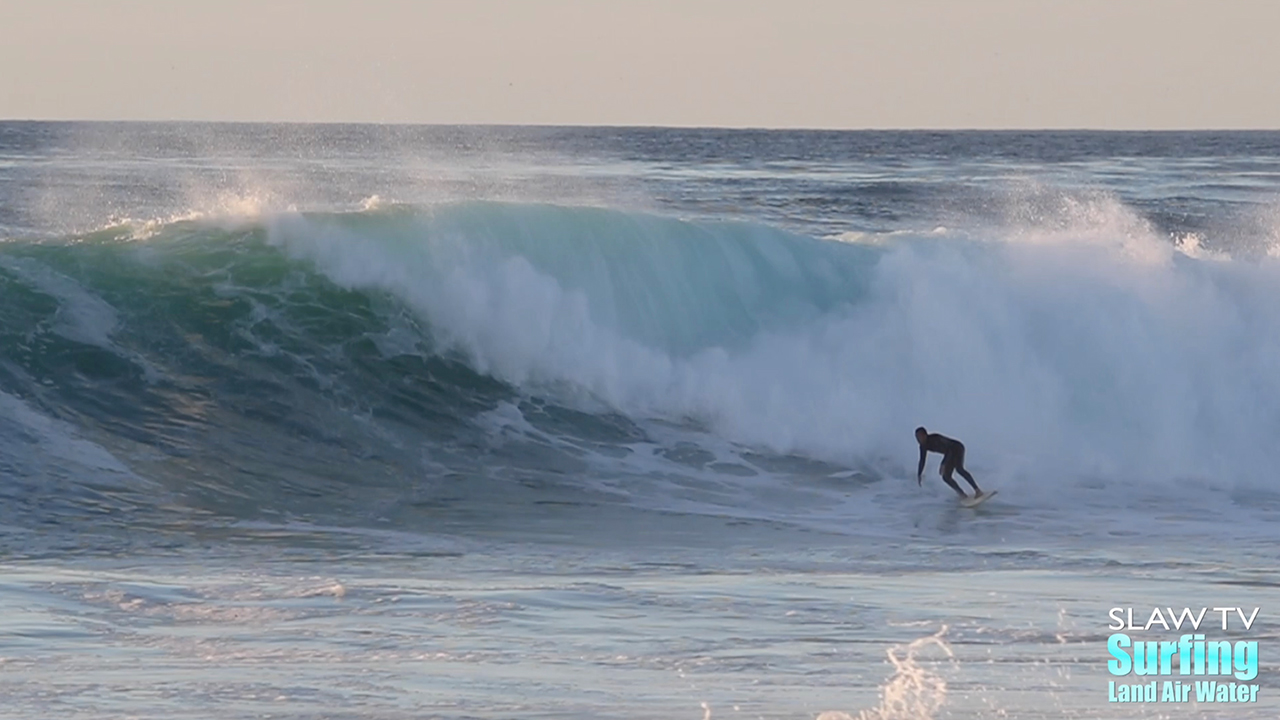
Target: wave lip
x=666, y=283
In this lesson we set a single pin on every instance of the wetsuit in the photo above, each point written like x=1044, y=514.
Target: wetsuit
x=952, y=460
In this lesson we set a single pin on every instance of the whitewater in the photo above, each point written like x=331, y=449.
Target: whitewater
x=400, y=422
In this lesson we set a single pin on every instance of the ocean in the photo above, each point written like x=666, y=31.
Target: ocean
x=351, y=421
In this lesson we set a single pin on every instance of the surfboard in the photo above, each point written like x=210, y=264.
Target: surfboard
x=975, y=502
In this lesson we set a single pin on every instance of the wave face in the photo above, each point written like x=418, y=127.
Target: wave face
x=343, y=357
x=1088, y=341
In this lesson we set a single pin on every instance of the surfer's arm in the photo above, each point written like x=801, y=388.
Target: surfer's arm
x=920, y=469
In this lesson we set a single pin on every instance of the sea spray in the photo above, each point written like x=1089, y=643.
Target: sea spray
x=913, y=692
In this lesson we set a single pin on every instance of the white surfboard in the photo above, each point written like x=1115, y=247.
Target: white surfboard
x=975, y=502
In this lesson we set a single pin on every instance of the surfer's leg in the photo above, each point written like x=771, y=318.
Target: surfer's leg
x=958, y=462
x=945, y=471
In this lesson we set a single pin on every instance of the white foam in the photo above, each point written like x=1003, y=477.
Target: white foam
x=82, y=316
x=42, y=440
x=1083, y=345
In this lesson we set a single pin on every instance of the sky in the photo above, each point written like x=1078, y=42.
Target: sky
x=1098, y=64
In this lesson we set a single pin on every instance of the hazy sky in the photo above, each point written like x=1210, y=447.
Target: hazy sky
x=766, y=63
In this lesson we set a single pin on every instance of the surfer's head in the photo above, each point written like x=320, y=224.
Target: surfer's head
x=921, y=435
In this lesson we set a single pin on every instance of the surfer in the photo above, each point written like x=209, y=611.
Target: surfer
x=952, y=459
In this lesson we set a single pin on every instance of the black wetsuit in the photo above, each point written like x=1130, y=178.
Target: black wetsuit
x=952, y=460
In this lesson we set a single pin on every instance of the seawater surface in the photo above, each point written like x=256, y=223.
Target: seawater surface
x=487, y=422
